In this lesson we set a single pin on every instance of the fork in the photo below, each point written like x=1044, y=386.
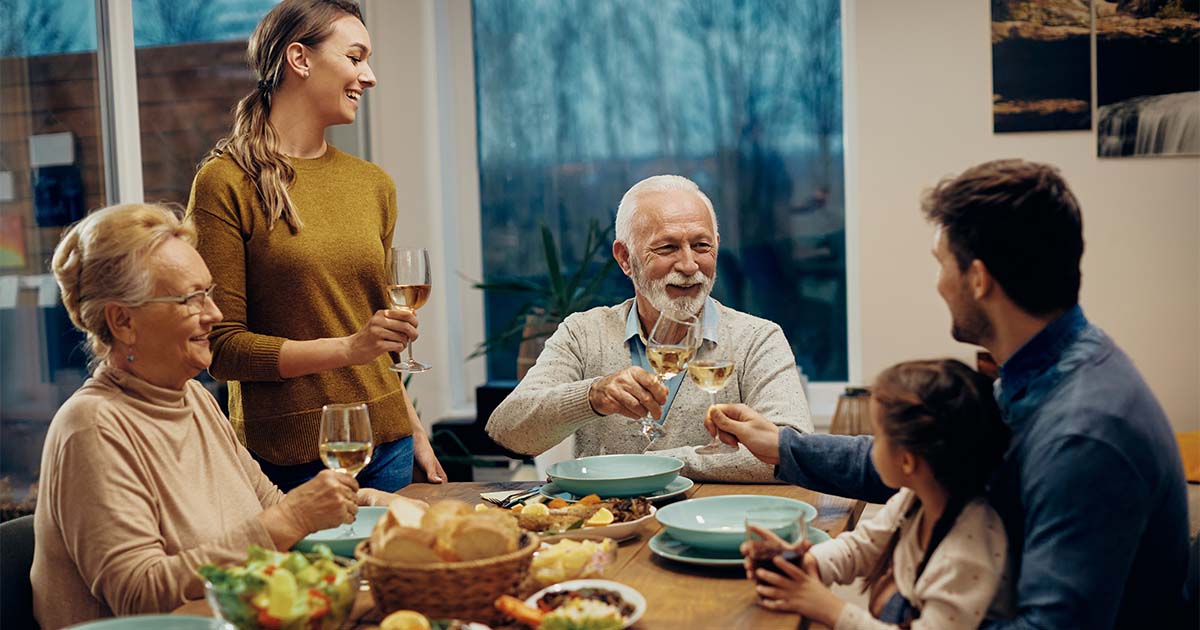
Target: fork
x=514, y=498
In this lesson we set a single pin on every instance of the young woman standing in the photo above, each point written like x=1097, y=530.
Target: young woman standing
x=296, y=234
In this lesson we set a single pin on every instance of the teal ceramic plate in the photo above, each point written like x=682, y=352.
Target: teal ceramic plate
x=628, y=475
x=340, y=544
x=155, y=622
x=663, y=545
x=681, y=485
x=719, y=523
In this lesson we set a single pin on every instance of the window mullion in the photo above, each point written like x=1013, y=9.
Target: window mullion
x=121, y=133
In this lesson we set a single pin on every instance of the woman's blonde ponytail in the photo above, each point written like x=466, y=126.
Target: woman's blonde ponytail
x=253, y=143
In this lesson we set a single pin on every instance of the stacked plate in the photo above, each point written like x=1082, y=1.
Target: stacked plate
x=709, y=530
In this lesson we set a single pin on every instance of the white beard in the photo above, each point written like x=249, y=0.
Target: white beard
x=656, y=291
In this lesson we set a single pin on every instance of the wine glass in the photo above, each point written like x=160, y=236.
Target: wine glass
x=711, y=375
x=410, y=282
x=788, y=524
x=670, y=347
x=345, y=442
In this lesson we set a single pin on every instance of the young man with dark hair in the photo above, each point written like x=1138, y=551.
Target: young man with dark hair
x=1092, y=490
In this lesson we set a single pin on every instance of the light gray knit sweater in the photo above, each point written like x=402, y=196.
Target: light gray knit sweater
x=551, y=402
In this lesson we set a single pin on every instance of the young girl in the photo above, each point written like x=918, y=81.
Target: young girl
x=295, y=233
x=938, y=436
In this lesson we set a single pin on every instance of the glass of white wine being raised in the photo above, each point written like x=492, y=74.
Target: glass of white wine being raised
x=409, y=284
x=671, y=345
x=711, y=375
x=345, y=442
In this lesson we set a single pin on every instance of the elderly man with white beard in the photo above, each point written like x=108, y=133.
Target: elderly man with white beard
x=593, y=379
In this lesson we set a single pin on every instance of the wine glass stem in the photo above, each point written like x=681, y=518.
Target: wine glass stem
x=410, y=356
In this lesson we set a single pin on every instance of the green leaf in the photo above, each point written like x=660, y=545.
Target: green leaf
x=551, y=252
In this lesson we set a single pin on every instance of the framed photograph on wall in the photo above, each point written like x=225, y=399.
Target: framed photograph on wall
x=1041, y=65
x=1147, y=78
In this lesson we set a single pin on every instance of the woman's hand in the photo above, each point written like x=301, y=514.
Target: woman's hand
x=325, y=501
x=388, y=330
x=800, y=590
x=739, y=423
x=426, y=466
x=371, y=496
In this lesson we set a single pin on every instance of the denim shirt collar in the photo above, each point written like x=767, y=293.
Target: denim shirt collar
x=709, y=319
x=1038, y=354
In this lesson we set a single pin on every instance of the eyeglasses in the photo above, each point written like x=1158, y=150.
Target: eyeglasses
x=194, y=301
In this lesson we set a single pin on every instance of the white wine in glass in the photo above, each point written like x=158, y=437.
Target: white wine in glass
x=410, y=282
x=711, y=375
x=345, y=442
x=672, y=343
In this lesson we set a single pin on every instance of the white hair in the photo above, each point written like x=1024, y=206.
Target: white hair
x=658, y=183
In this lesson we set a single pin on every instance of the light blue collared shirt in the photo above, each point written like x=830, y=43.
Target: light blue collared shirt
x=637, y=345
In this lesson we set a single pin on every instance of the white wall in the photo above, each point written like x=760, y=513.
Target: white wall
x=423, y=134
x=922, y=77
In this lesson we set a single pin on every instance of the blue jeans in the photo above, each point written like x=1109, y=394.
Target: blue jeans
x=390, y=468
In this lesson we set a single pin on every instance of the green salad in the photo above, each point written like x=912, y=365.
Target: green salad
x=283, y=591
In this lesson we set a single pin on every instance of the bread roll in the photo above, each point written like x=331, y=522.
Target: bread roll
x=407, y=545
x=441, y=514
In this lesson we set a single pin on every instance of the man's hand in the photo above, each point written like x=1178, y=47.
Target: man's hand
x=738, y=423
x=632, y=392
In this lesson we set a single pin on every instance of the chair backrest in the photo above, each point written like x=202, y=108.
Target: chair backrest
x=16, y=559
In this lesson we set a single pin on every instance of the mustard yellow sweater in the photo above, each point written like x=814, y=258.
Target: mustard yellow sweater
x=324, y=281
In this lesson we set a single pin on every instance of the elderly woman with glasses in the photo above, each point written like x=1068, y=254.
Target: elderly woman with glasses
x=143, y=479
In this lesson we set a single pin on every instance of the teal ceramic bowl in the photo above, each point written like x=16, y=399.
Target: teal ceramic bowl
x=615, y=475
x=340, y=543
x=155, y=622
x=719, y=523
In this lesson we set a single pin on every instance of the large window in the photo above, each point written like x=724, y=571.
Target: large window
x=577, y=100
x=56, y=94
x=52, y=169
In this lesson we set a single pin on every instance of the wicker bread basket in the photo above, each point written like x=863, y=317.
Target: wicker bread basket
x=459, y=590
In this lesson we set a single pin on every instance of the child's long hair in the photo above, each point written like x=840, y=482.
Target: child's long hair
x=942, y=411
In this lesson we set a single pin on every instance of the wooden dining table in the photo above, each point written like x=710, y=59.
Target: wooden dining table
x=678, y=595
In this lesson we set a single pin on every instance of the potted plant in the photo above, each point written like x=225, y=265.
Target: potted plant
x=546, y=303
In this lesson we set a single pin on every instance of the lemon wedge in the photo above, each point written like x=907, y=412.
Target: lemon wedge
x=404, y=620
x=601, y=518
x=536, y=509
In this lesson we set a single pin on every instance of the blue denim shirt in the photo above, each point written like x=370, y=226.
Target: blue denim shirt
x=1091, y=489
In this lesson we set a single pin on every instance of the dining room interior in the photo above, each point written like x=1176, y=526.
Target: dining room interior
x=510, y=132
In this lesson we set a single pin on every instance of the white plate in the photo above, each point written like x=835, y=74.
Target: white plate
x=677, y=487
x=616, y=531
x=628, y=593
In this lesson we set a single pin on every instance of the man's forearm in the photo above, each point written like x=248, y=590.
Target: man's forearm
x=832, y=464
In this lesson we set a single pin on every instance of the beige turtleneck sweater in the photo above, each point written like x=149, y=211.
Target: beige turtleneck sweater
x=140, y=485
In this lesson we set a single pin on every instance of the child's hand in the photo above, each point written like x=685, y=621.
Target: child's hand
x=799, y=590
x=768, y=538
